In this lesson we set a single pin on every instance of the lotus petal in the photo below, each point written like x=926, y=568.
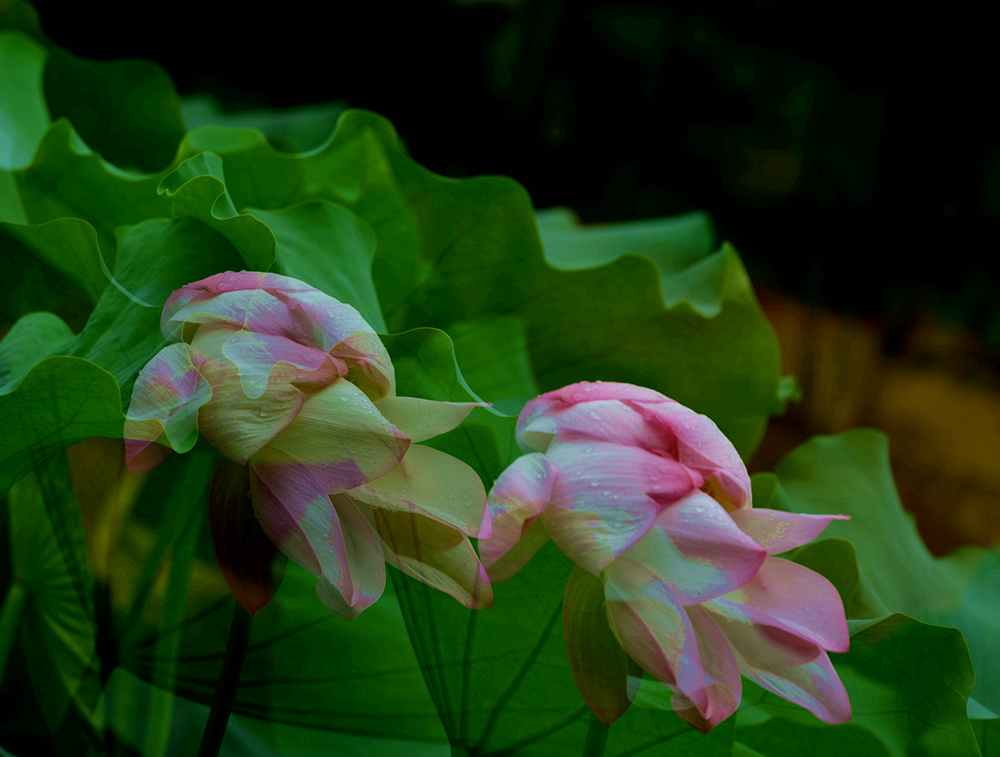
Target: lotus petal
x=164, y=407
x=692, y=553
x=778, y=531
x=340, y=434
x=792, y=598
x=433, y=484
x=333, y=542
x=434, y=553
x=422, y=419
x=606, y=497
x=518, y=497
x=790, y=667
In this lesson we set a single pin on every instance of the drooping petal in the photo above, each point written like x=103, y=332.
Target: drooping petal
x=250, y=562
x=422, y=419
x=778, y=531
x=433, y=484
x=659, y=636
x=692, y=552
x=517, y=498
x=164, y=407
x=432, y=552
x=534, y=433
x=600, y=667
x=606, y=497
x=791, y=598
x=342, y=436
x=702, y=446
x=334, y=543
x=789, y=666
x=723, y=686
x=365, y=558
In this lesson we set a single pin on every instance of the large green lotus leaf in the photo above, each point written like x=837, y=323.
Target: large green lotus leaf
x=477, y=257
x=60, y=401
x=351, y=168
x=24, y=115
x=58, y=630
x=131, y=697
x=197, y=188
x=501, y=677
x=51, y=266
x=66, y=179
x=849, y=474
x=63, y=400
x=305, y=665
x=33, y=338
x=126, y=110
x=33, y=281
x=908, y=683
x=155, y=258
x=309, y=667
x=495, y=361
x=294, y=129
x=329, y=247
x=683, y=248
x=481, y=245
x=319, y=242
x=426, y=366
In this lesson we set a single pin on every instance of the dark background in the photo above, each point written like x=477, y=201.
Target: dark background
x=851, y=155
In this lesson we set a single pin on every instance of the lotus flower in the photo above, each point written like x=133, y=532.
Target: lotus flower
x=297, y=390
x=651, y=500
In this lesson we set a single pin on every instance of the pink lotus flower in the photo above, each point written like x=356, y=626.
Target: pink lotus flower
x=297, y=388
x=652, y=499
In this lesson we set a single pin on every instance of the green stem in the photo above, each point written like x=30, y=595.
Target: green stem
x=10, y=617
x=597, y=737
x=229, y=679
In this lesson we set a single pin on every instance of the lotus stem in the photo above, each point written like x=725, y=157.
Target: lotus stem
x=597, y=737
x=229, y=679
